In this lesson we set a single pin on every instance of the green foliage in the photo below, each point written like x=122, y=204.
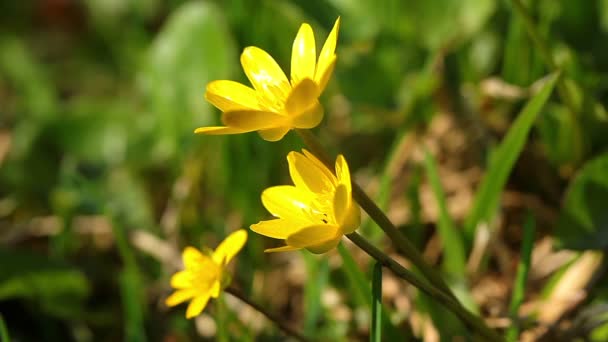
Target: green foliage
x=96, y=125
x=583, y=223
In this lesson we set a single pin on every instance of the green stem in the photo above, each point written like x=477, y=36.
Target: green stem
x=289, y=331
x=376, y=214
x=450, y=303
x=546, y=55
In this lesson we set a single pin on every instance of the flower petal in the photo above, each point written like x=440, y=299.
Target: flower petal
x=303, y=96
x=308, y=174
x=193, y=258
x=218, y=130
x=276, y=229
x=281, y=249
x=325, y=247
x=287, y=202
x=197, y=305
x=341, y=203
x=313, y=235
x=265, y=74
x=322, y=78
x=230, y=95
x=182, y=280
x=252, y=120
x=215, y=289
x=179, y=297
x=274, y=134
x=310, y=118
x=303, y=55
x=230, y=247
x=343, y=173
x=327, y=57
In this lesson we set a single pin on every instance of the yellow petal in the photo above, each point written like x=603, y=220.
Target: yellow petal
x=197, y=305
x=193, y=258
x=265, y=74
x=303, y=96
x=182, y=280
x=281, y=249
x=276, y=229
x=341, y=203
x=352, y=219
x=327, y=57
x=343, y=173
x=322, y=78
x=287, y=202
x=325, y=247
x=252, y=120
x=308, y=174
x=215, y=290
x=313, y=235
x=303, y=55
x=230, y=247
x=274, y=134
x=179, y=297
x=309, y=118
x=218, y=130
x=230, y=95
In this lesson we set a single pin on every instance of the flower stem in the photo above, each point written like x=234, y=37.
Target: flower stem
x=449, y=302
x=289, y=331
x=376, y=214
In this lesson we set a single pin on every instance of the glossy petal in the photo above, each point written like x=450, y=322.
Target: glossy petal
x=352, y=220
x=250, y=120
x=274, y=134
x=179, y=297
x=309, y=118
x=181, y=280
x=193, y=258
x=197, y=305
x=343, y=173
x=323, y=78
x=326, y=246
x=218, y=130
x=303, y=55
x=230, y=247
x=341, y=204
x=327, y=57
x=215, y=289
x=313, y=235
x=281, y=249
x=276, y=229
x=308, y=174
x=287, y=202
x=265, y=74
x=303, y=96
x=230, y=95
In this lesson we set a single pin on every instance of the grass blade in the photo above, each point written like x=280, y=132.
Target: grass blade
x=358, y=283
x=454, y=260
x=503, y=160
x=519, y=288
x=376, y=324
x=4, y=336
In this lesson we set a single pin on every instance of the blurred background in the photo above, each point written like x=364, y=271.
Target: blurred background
x=102, y=181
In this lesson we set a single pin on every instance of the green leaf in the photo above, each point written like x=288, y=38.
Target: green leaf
x=193, y=48
x=519, y=287
x=454, y=259
x=376, y=324
x=357, y=282
x=37, y=277
x=4, y=336
x=583, y=221
x=504, y=158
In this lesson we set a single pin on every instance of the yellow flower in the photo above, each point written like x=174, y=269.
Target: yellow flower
x=275, y=105
x=204, y=276
x=316, y=211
